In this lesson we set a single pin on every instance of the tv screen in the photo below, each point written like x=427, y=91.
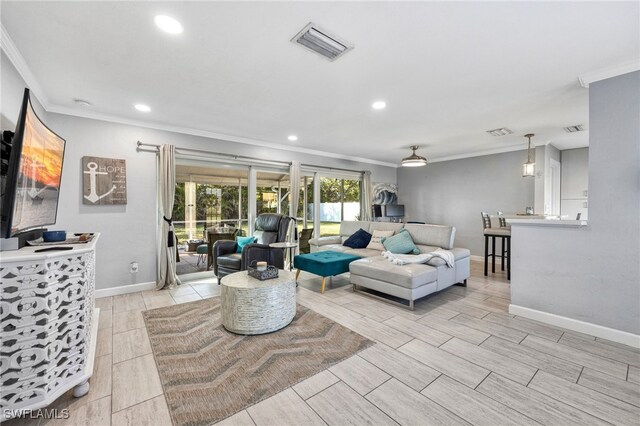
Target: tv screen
x=32, y=185
x=394, y=210
x=377, y=210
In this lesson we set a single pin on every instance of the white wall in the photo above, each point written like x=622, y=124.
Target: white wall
x=575, y=181
x=12, y=90
x=593, y=274
x=455, y=192
x=544, y=154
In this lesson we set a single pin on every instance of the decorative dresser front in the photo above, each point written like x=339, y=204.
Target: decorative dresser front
x=48, y=325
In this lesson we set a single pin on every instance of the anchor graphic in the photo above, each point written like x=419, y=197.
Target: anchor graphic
x=93, y=195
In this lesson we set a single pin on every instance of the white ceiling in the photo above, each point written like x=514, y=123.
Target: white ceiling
x=448, y=71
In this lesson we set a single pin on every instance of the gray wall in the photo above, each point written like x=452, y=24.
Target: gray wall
x=593, y=274
x=455, y=192
x=129, y=232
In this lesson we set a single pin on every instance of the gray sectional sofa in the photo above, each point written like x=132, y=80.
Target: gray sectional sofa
x=408, y=282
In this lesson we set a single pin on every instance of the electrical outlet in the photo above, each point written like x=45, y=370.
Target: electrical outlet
x=134, y=267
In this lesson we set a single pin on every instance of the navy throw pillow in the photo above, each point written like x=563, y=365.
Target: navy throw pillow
x=360, y=239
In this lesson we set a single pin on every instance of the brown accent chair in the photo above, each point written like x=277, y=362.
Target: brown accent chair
x=305, y=236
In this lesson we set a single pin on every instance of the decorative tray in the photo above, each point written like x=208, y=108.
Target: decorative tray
x=70, y=240
x=267, y=274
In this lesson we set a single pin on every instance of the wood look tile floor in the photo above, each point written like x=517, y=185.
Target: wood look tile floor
x=459, y=358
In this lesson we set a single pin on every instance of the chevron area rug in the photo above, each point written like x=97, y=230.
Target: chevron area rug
x=209, y=373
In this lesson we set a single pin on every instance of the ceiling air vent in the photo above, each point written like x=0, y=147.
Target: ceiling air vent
x=319, y=41
x=573, y=129
x=500, y=132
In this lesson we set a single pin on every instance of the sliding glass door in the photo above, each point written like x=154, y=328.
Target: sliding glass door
x=339, y=200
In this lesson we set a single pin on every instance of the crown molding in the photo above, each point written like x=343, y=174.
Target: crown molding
x=58, y=109
x=14, y=55
x=604, y=73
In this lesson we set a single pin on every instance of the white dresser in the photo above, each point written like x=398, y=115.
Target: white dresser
x=48, y=325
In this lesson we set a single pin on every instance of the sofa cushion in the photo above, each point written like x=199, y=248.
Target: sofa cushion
x=334, y=247
x=230, y=261
x=323, y=241
x=432, y=235
x=243, y=241
x=385, y=226
x=350, y=227
x=401, y=243
x=408, y=276
x=376, y=239
x=364, y=252
x=360, y=239
x=458, y=254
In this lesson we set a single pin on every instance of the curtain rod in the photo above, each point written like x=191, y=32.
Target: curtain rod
x=236, y=157
x=231, y=156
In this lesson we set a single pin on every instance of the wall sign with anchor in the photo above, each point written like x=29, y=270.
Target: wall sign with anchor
x=104, y=181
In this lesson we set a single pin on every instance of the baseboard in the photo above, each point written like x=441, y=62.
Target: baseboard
x=481, y=259
x=125, y=289
x=612, y=334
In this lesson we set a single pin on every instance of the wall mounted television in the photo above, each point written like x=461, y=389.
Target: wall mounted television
x=34, y=170
x=394, y=210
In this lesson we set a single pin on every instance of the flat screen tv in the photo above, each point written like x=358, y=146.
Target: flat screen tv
x=32, y=181
x=394, y=210
x=377, y=210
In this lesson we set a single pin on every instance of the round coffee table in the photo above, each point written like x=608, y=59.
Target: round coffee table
x=251, y=306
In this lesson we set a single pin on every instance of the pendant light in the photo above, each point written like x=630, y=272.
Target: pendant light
x=528, y=168
x=414, y=160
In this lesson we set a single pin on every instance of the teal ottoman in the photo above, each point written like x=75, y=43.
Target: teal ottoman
x=323, y=263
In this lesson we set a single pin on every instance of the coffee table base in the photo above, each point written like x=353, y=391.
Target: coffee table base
x=257, y=307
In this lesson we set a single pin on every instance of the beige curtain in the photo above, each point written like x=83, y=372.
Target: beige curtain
x=367, y=200
x=294, y=198
x=166, y=237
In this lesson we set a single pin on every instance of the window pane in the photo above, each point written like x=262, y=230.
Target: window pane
x=206, y=197
x=330, y=206
x=339, y=200
x=351, y=202
x=272, y=193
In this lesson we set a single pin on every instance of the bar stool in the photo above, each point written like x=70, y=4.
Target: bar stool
x=504, y=233
x=506, y=249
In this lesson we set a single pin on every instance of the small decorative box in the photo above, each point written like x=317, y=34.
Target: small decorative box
x=267, y=274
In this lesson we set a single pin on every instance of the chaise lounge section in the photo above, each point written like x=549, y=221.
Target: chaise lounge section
x=409, y=282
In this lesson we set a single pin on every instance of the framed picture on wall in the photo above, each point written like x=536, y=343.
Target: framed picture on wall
x=104, y=181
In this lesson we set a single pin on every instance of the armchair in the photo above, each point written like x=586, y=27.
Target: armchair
x=269, y=228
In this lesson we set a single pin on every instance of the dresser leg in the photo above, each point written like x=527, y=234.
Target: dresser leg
x=82, y=389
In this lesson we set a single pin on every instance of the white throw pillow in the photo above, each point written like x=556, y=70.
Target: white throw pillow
x=376, y=239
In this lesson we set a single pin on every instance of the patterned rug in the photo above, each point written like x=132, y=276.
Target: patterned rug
x=209, y=373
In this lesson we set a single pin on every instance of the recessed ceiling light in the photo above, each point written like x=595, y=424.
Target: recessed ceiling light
x=168, y=24
x=292, y=138
x=379, y=105
x=82, y=103
x=142, y=107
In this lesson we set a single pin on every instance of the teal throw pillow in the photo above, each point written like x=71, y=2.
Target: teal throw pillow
x=243, y=241
x=401, y=243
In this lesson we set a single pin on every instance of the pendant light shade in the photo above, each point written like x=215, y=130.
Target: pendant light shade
x=414, y=160
x=529, y=168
